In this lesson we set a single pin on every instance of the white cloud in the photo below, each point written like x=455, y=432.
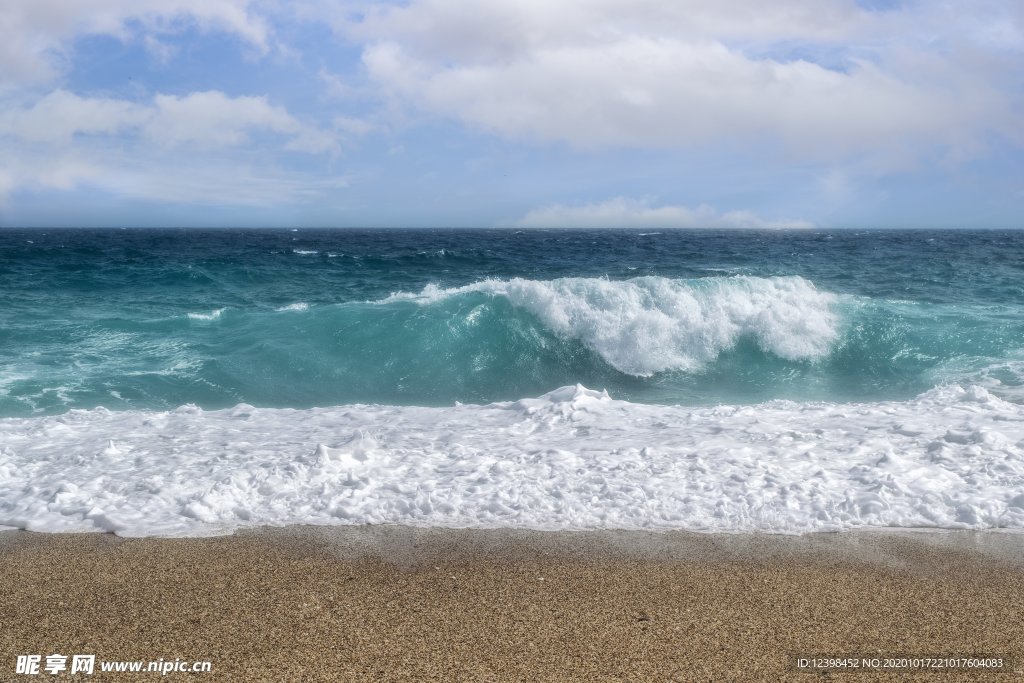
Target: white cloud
x=38, y=33
x=334, y=85
x=208, y=119
x=63, y=141
x=60, y=115
x=146, y=175
x=621, y=212
x=504, y=29
x=651, y=73
x=212, y=119
x=59, y=172
x=214, y=182
x=160, y=50
x=355, y=127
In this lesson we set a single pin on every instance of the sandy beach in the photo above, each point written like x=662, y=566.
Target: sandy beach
x=395, y=603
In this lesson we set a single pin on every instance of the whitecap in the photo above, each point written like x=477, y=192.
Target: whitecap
x=298, y=306
x=647, y=325
x=212, y=315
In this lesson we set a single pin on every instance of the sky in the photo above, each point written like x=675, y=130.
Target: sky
x=512, y=113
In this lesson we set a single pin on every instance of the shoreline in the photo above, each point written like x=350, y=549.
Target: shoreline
x=404, y=603
x=409, y=546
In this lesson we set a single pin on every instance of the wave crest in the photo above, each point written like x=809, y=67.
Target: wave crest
x=652, y=324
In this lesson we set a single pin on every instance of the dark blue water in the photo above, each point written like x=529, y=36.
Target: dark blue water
x=160, y=318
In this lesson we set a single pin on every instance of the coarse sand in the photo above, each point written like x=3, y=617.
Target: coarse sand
x=400, y=604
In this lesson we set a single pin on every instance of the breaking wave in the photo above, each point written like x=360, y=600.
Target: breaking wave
x=697, y=341
x=652, y=324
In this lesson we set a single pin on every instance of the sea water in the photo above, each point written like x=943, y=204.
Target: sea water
x=189, y=382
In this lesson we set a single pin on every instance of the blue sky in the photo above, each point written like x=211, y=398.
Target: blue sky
x=732, y=113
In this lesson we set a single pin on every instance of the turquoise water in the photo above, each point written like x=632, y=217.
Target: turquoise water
x=147, y=319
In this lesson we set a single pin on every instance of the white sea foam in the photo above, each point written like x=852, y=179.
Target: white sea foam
x=305, y=252
x=650, y=324
x=298, y=306
x=212, y=315
x=571, y=459
x=1004, y=377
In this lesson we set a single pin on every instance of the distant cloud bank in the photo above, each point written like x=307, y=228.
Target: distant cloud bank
x=621, y=212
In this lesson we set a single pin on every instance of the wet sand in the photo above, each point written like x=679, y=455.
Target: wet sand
x=394, y=603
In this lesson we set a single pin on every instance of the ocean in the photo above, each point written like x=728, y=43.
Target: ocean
x=183, y=382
